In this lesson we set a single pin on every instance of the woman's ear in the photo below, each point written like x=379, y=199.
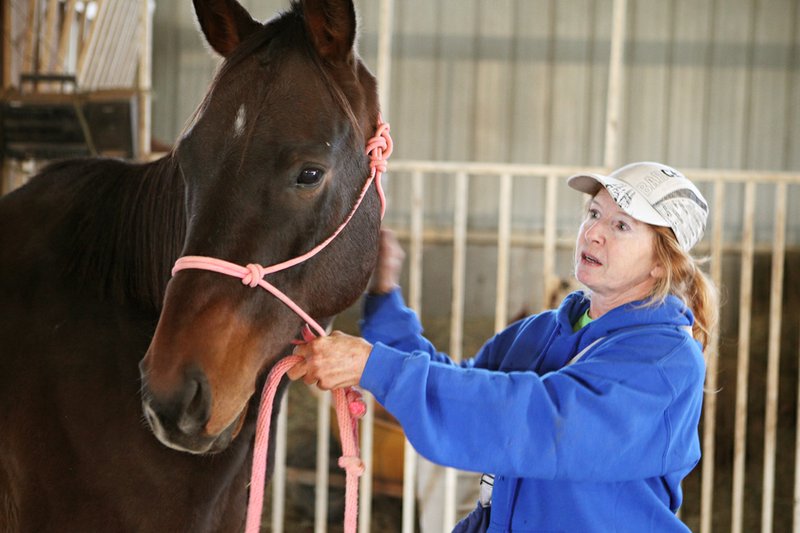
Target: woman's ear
x=658, y=271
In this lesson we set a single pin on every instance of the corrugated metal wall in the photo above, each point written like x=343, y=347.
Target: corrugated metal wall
x=709, y=83
x=706, y=84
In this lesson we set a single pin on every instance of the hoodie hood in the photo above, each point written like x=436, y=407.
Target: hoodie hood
x=672, y=312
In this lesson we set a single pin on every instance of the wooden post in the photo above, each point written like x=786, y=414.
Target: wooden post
x=504, y=207
x=5, y=45
x=773, y=357
x=145, y=80
x=549, y=249
x=49, y=39
x=64, y=38
x=5, y=80
x=743, y=358
x=710, y=399
x=460, y=217
x=415, y=301
x=31, y=38
x=615, y=83
x=323, y=462
x=796, y=506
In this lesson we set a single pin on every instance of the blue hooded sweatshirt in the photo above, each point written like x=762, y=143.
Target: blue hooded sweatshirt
x=600, y=445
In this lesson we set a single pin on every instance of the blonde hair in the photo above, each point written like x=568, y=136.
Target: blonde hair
x=684, y=278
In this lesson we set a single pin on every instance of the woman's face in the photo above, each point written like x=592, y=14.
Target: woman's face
x=614, y=255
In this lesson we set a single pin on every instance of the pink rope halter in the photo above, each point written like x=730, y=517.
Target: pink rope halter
x=349, y=406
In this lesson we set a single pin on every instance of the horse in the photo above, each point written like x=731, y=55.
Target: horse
x=126, y=393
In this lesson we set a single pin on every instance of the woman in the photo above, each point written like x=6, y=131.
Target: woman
x=586, y=414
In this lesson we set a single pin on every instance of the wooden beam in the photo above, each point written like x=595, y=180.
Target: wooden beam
x=145, y=71
x=5, y=45
x=31, y=38
x=65, y=37
x=47, y=44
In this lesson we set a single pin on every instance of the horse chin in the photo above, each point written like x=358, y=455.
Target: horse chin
x=202, y=444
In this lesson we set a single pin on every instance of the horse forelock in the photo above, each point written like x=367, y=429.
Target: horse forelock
x=245, y=51
x=351, y=86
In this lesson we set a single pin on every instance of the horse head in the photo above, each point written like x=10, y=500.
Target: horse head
x=272, y=161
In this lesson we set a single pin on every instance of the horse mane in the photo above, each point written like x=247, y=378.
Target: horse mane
x=125, y=246
x=129, y=222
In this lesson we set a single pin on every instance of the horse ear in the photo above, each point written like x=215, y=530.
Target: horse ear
x=225, y=23
x=331, y=26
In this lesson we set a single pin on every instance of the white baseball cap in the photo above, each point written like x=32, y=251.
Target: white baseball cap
x=655, y=194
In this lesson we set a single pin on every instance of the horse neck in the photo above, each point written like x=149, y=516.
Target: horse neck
x=128, y=244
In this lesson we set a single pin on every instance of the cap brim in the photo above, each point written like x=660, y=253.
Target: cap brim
x=638, y=207
x=588, y=183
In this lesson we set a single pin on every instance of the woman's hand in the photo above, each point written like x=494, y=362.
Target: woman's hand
x=331, y=362
x=390, y=264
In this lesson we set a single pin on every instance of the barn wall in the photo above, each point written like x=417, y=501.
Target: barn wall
x=706, y=84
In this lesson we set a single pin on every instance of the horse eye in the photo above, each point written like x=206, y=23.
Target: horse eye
x=309, y=177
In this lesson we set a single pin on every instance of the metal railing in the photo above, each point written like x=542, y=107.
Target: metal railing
x=409, y=221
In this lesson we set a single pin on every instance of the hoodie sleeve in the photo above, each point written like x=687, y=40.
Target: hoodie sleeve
x=387, y=320
x=627, y=411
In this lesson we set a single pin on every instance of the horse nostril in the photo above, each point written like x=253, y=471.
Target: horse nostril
x=197, y=403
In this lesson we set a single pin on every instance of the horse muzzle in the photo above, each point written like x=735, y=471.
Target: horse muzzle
x=178, y=419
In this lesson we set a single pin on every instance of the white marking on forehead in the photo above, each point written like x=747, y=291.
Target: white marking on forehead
x=238, y=125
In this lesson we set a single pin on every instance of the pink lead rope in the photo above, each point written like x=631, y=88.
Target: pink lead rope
x=349, y=406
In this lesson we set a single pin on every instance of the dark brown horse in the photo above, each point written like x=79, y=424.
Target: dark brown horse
x=92, y=325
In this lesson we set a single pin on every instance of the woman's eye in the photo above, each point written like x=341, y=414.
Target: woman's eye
x=592, y=213
x=622, y=226
x=309, y=177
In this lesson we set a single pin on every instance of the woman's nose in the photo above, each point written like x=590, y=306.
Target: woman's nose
x=593, y=232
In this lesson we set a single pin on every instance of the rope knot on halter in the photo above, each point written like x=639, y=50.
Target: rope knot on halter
x=255, y=273
x=355, y=403
x=379, y=148
x=352, y=464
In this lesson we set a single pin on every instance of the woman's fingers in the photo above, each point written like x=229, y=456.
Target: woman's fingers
x=331, y=362
x=297, y=371
x=390, y=264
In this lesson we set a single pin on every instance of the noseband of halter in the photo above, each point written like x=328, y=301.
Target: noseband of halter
x=349, y=406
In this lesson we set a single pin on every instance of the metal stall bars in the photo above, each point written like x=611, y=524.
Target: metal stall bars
x=549, y=241
x=410, y=226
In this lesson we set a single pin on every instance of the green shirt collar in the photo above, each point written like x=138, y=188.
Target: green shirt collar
x=582, y=321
